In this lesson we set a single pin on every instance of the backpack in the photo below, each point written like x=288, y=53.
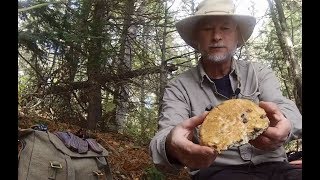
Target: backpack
x=44, y=156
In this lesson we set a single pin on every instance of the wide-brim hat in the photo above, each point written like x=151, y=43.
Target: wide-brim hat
x=208, y=8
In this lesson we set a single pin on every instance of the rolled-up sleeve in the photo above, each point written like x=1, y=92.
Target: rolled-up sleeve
x=270, y=90
x=174, y=109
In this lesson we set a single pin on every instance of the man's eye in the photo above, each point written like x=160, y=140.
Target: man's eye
x=225, y=28
x=206, y=28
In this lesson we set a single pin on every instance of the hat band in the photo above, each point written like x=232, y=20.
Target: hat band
x=228, y=12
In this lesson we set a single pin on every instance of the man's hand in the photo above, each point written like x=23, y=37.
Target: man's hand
x=296, y=163
x=278, y=130
x=179, y=145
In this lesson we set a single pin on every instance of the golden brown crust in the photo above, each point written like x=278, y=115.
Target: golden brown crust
x=232, y=123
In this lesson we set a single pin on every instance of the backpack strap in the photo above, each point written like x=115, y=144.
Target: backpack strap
x=107, y=170
x=55, y=165
x=103, y=164
x=21, y=143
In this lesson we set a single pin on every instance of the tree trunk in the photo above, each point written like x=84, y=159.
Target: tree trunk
x=193, y=10
x=287, y=49
x=144, y=121
x=128, y=34
x=142, y=113
x=94, y=64
x=163, y=71
x=277, y=64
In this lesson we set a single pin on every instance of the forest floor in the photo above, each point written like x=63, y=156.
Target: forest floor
x=127, y=160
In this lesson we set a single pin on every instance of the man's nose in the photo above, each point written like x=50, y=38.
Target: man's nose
x=216, y=34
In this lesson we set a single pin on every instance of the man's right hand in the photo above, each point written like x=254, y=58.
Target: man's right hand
x=179, y=145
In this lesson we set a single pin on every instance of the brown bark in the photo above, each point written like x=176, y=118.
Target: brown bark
x=94, y=65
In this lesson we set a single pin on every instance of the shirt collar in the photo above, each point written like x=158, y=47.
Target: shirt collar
x=203, y=74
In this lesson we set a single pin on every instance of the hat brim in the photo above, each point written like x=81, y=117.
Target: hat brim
x=186, y=26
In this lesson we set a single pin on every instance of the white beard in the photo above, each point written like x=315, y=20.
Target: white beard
x=220, y=58
x=217, y=58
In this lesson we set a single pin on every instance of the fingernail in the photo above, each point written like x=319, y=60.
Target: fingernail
x=209, y=107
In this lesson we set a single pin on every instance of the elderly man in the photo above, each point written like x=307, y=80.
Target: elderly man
x=216, y=32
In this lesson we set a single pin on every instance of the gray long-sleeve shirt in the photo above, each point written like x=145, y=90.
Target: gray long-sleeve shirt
x=188, y=95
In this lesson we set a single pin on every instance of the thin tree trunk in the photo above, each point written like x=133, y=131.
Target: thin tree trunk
x=163, y=71
x=193, y=9
x=142, y=109
x=287, y=49
x=143, y=113
x=282, y=75
x=94, y=65
x=128, y=34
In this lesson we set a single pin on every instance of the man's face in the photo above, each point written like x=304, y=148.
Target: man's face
x=217, y=38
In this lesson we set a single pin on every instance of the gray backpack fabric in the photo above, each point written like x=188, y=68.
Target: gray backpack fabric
x=44, y=156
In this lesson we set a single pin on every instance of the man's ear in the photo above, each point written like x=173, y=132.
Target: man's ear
x=195, y=41
x=198, y=45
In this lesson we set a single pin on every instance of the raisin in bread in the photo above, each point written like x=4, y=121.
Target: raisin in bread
x=233, y=123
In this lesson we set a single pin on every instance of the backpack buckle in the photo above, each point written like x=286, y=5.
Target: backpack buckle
x=98, y=173
x=55, y=164
x=53, y=172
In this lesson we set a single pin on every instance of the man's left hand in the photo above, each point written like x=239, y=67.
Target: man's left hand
x=277, y=132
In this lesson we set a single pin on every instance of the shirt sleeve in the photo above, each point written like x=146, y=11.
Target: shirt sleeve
x=269, y=87
x=174, y=109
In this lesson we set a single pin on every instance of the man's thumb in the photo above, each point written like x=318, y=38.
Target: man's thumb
x=195, y=120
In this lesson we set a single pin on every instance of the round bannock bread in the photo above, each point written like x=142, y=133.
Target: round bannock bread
x=233, y=123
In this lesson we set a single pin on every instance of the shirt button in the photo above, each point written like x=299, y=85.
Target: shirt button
x=245, y=152
x=246, y=156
